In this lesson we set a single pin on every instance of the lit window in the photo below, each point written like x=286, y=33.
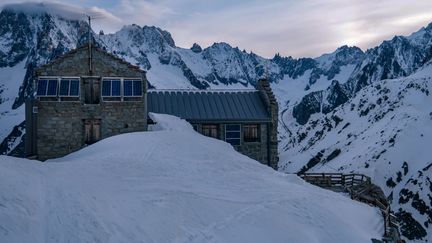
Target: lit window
x=209, y=130
x=69, y=87
x=132, y=87
x=111, y=87
x=251, y=133
x=47, y=87
x=232, y=134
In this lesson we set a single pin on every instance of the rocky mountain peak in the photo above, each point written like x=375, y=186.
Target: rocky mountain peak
x=165, y=35
x=196, y=48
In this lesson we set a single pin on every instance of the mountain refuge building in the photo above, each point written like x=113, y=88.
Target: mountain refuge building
x=88, y=94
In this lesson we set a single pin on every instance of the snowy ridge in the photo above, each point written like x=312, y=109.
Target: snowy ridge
x=384, y=132
x=310, y=91
x=170, y=186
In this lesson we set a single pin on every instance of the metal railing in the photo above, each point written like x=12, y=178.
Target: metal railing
x=359, y=187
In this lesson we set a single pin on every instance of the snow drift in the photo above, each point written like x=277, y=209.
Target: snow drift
x=170, y=186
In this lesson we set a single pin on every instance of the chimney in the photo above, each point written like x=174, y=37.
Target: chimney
x=263, y=86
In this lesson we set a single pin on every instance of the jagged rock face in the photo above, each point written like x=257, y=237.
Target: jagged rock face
x=196, y=48
x=337, y=111
x=392, y=59
x=35, y=39
x=17, y=37
x=320, y=101
x=382, y=131
x=230, y=65
x=398, y=57
x=344, y=56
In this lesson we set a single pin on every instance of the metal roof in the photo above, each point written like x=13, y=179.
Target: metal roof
x=209, y=105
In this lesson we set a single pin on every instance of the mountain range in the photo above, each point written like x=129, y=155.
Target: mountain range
x=346, y=111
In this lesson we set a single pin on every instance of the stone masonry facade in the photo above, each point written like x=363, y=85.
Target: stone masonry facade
x=273, y=109
x=255, y=150
x=59, y=124
x=266, y=149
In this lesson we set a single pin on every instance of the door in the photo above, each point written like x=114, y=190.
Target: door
x=92, y=131
x=92, y=90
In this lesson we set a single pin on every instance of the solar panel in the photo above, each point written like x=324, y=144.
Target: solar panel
x=115, y=87
x=52, y=87
x=42, y=86
x=74, y=87
x=64, y=87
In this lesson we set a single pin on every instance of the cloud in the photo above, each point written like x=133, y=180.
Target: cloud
x=64, y=10
x=303, y=28
x=290, y=27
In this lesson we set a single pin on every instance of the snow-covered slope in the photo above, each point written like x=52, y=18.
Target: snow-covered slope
x=385, y=131
x=170, y=185
x=309, y=90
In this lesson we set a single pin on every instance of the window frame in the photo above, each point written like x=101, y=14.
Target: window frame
x=122, y=96
x=58, y=78
x=133, y=80
x=258, y=138
x=47, y=78
x=204, y=127
x=234, y=131
x=111, y=79
x=69, y=89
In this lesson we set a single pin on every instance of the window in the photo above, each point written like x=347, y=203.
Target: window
x=47, y=87
x=232, y=134
x=251, y=133
x=210, y=130
x=92, y=132
x=132, y=87
x=52, y=87
x=69, y=87
x=195, y=127
x=111, y=87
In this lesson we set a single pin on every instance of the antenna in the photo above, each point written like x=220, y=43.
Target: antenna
x=89, y=18
x=94, y=15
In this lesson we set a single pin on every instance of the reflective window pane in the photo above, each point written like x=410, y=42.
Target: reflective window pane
x=74, y=87
x=52, y=87
x=137, y=89
x=106, y=88
x=64, y=87
x=115, y=88
x=42, y=86
x=127, y=88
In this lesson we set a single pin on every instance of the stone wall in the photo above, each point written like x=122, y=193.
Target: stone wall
x=255, y=150
x=76, y=63
x=272, y=107
x=60, y=124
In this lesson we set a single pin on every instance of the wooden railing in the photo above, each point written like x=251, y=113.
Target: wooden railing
x=335, y=179
x=360, y=188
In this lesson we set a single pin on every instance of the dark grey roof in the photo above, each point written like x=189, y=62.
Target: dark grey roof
x=209, y=105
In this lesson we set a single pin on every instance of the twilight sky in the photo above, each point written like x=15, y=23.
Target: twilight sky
x=291, y=27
